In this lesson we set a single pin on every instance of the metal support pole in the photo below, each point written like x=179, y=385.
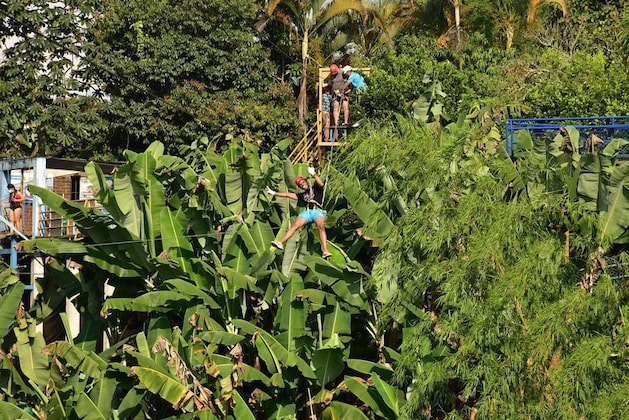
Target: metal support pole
x=39, y=179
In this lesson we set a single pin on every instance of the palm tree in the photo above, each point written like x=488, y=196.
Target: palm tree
x=510, y=15
x=306, y=18
x=535, y=4
x=384, y=18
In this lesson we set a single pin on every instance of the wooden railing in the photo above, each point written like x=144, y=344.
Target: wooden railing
x=306, y=150
x=54, y=225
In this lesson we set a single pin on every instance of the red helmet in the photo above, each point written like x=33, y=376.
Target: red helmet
x=299, y=179
x=334, y=69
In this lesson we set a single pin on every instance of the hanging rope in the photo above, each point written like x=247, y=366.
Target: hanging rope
x=327, y=175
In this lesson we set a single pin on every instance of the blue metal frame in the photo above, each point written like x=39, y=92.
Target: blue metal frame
x=604, y=127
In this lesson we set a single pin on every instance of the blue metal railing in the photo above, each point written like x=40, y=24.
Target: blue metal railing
x=606, y=128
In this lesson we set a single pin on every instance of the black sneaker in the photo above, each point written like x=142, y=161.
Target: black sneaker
x=277, y=244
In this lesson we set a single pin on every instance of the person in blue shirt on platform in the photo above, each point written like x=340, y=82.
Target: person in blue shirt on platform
x=354, y=82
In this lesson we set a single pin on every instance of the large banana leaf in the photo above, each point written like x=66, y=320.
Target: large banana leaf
x=104, y=193
x=89, y=363
x=103, y=394
x=615, y=220
x=258, y=237
x=184, y=176
x=158, y=364
x=123, y=268
x=291, y=316
x=270, y=351
x=153, y=201
x=30, y=350
x=279, y=352
x=221, y=337
x=378, y=226
x=130, y=192
x=86, y=409
x=591, y=190
x=393, y=397
x=235, y=255
x=54, y=247
x=346, y=282
x=283, y=411
x=184, y=287
x=9, y=302
x=337, y=321
x=131, y=404
x=241, y=409
x=294, y=249
x=341, y=411
x=10, y=411
x=328, y=364
x=369, y=396
x=368, y=367
x=234, y=191
x=164, y=386
x=97, y=226
x=159, y=301
x=177, y=245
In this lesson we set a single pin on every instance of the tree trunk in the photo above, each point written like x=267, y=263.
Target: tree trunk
x=301, y=99
x=457, y=21
x=509, y=33
x=302, y=102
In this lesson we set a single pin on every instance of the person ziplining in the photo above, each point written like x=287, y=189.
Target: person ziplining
x=312, y=198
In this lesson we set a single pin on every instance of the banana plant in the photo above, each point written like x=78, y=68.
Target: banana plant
x=228, y=328
x=592, y=182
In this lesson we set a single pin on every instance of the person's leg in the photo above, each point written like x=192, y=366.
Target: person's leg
x=290, y=232
x=326, y=126
x=18, y=219
x=346, y=111
x=336, y=113
x=323, y=238
x=12, y=220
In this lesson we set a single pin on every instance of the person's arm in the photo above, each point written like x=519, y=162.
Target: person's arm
x=312, y=171
x=347, y=88
x=273, y=193
x=290, y=195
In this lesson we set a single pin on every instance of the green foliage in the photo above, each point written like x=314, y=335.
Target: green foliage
x=47, y=109
x=232, y=328
x=582, y=85
x=182, y=71
x=497, y=320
